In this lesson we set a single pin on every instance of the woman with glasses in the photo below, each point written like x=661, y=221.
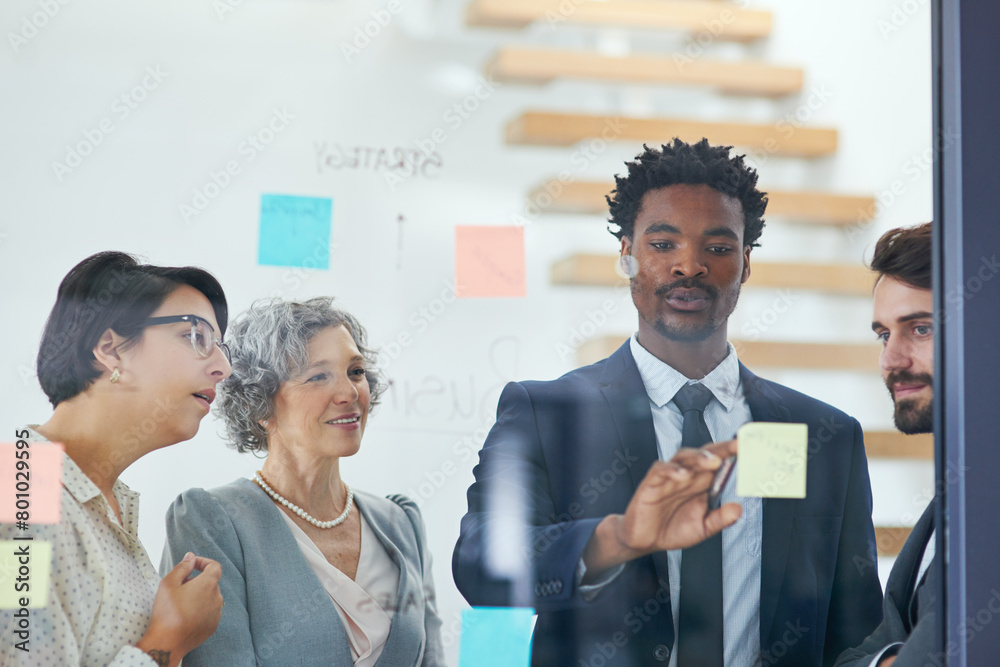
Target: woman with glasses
x=314, y=572
x=129, y=358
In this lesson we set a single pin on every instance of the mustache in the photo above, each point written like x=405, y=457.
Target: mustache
x=906, y=377
x=687, y=283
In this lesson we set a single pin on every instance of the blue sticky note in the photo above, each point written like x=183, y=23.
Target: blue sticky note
x=295, y=231
x=496, y=637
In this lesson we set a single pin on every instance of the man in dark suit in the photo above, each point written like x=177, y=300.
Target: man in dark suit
x=904, y=322
x=562, y=479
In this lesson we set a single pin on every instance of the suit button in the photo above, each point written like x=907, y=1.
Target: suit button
x=538, y=589
x=661, y=653
x=558, y=586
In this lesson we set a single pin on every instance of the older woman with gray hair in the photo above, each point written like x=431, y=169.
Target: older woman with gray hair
x=314, y=572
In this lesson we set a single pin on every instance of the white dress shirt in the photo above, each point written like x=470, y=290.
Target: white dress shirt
x=741, y=543
x=102, y=583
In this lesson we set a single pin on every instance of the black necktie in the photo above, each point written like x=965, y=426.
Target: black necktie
x=699, y=641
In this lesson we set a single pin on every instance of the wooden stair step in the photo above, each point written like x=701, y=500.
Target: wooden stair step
x=566, y=129
x=814, y=207
x=878, y=444
x=717, y=20
x=890, y=539
x=844, y=279
x=534, y=65
x=770, y=354
x=897, y=445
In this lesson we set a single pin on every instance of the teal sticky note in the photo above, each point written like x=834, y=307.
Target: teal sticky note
x=496, y=637
x=295, y=231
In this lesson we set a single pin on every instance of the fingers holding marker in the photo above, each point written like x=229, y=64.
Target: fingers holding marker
x=696, y=460
x=666, y=473
x=669, y=481
x=709, y=457
x=691, y=460
x=209, y=567
x=183, y=571
x=191, y=567
x=723, y=450
x=725, y=516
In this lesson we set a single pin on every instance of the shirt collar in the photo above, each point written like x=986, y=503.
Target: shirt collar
x=83, y=489
x=662, y=381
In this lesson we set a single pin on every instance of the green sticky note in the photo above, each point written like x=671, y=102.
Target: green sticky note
x=25, y=568
x=496, y=637
x=771, y=462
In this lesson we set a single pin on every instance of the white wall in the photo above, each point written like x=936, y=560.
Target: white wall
x=225, y=74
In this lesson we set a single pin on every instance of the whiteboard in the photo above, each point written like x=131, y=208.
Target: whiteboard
x=155, y=128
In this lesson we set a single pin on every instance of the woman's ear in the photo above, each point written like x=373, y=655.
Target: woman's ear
x=106, y=350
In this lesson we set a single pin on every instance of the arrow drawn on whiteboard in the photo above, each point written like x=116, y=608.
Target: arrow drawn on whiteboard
x=399, y=243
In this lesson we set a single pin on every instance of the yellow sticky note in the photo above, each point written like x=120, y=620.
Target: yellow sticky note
x=772, y=460
x=31, y=482
x=489, y=262
x=25, y=569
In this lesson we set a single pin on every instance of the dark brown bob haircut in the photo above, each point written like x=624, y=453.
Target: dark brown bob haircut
x=109, y=290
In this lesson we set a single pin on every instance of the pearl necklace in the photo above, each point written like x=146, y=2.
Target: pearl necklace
x=301, y=512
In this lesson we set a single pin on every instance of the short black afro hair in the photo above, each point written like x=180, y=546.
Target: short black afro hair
x=680, y=162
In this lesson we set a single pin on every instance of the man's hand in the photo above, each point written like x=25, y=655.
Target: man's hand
x=185, y=611
x=669, y=510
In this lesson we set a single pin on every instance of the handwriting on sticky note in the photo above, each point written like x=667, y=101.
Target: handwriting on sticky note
x=772, y=460
x=295, y=231
x=489, y=261
x=35, y=473
x=25, y=569
x=496, y=637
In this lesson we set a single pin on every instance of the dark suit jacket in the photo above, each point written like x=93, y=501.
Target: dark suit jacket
x=910, y=615
x=573, y=450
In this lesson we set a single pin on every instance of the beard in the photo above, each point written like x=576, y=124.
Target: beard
x=690, y=332
x=912, y=415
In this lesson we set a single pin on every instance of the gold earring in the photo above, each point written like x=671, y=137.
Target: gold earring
x=114, y=376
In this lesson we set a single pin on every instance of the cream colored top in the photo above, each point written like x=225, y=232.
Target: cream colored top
x=365, y=604
x=102, y=583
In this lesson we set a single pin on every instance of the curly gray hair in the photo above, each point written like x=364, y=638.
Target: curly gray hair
x=268, y=344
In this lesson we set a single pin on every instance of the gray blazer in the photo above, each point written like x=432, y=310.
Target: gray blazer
x=277, y=612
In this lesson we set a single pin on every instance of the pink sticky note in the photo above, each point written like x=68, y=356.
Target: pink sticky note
x=489, y=261
x=31, y=482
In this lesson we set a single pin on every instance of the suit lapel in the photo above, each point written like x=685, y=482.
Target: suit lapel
x=913, y=552
x=925, y=597
x=778, y=513
x=301, y=582
x=388, y=533
x=626, y=395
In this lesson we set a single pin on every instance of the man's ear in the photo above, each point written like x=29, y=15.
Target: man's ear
x=627, y=265
x=106, y=350
x=746, y=264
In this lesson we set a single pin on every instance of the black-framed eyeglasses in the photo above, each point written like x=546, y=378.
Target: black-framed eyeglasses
x=202, y=333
